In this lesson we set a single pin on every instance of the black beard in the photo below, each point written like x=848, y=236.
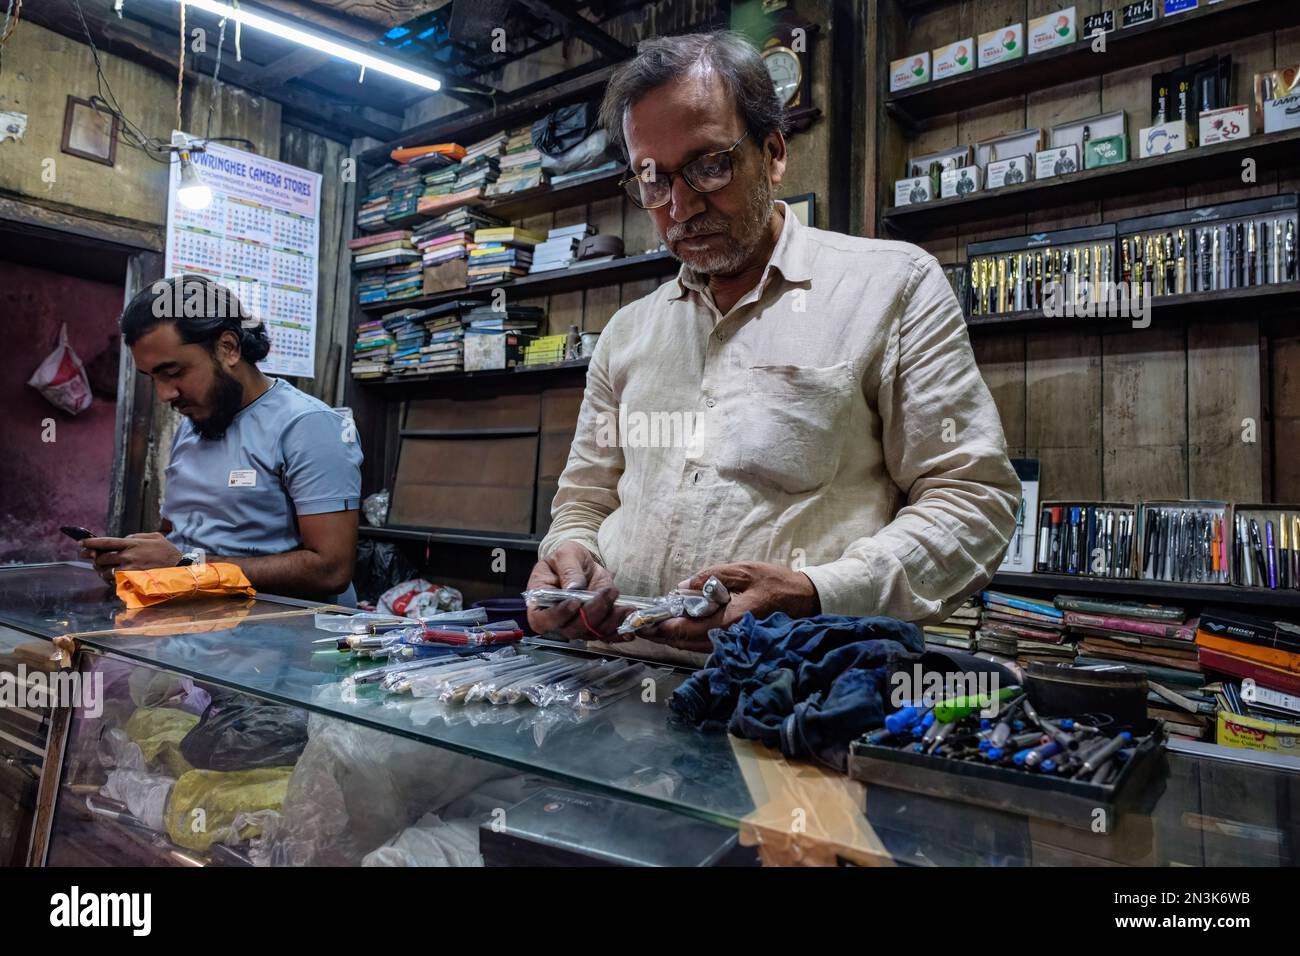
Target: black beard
x=225, y=399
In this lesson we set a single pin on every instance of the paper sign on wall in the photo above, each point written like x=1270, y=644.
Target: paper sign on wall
x=260, y=237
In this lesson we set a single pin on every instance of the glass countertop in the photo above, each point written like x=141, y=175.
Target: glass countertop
x=1201, y=810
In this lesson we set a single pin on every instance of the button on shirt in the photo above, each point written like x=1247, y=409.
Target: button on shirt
x=286, y=454
x=834, y=421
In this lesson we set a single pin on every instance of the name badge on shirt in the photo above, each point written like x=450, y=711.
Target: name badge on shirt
x=245, y=478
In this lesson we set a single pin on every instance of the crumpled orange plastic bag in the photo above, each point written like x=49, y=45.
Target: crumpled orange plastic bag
x=145, y=588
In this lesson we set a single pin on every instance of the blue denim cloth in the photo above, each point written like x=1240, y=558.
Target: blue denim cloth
x=809, y=686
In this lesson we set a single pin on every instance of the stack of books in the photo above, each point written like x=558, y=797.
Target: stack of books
x=372, y=350
x=409, y=336
x=514, y=318
x=404, y=197
x=499, y=254
x=445, y=349
x=1139, y=634
x=1023, y=628
x=403, y=281
x=579, y=176
x=493, y=146
x=958, y=630
x=1250, y=647
x=560, y=248
x=440, y=183
x=382, y=250
x=374, y=204
x=520, y=165
x=448, y=236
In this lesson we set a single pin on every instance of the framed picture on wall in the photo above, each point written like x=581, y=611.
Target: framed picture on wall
x=89, y=133
x=803, y=208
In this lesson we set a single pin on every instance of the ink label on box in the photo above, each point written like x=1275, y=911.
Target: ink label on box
x=1224, y=125
x=1004, y=43
x=1163, y=138
x=1178, y=6
x=1103, y=22
x=1144, y=11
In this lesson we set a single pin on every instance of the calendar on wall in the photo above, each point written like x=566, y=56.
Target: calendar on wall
x=260, y=237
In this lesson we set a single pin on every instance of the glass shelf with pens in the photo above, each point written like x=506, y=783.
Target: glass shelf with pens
x=1266, y=546
x=1189, y=542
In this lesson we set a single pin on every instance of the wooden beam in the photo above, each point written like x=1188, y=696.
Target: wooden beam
x=39, y=214
x=156, y=49
x=565, y=15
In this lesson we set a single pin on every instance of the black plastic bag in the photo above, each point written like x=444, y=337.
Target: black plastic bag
x=238, y=732
x=560, y=130
x=380, y=566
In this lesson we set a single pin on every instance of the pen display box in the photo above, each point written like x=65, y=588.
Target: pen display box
x=1016, y=274
x=954, y=58
x=1224, y=125
x=1081, y=131
x=1087, y=538
x=909, y=71
x=1008, y=172
x=917, y=189
x=934, y=165
x=1024, y=143
x=1053, y=30
x=1164, y=138
x=1186, y=541
x=1266, y=553
x=1105, y=151
x=1057, y=161
x=1228, y=246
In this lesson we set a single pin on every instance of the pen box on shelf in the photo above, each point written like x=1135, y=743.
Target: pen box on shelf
x=1057, y=161
x=1185, y=541
x=958, y=183
x=915, y=189
x=1026, y=142
x=1098, y=126
x=1087, y=538
x=909, y=71
x=1002, y=44
x=1040, y=795
x=1255, y=564
x=1013, y=274
x=1227, y=246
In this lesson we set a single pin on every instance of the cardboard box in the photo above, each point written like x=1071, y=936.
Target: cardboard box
x=1055, y=29
x=1007, y=172
x=960, y=182
x=914, y=190
x=1282, y=113
x=493, y=350
x=1106, y=151
x=1002, y=44
x=1133, y=14
x=1225, y=125
x=1026, y=142
x=1164, y=138
x=954, y=58
x=1179, y=6
x=445, y=276
x=1057, y=161
x=909, y=71
x=1099, y=125
x=1252, y=733
x=934, y=164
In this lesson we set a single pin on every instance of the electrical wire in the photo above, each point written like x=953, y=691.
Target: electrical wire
x=180, y=70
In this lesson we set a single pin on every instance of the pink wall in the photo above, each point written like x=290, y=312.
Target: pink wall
x=47, y=484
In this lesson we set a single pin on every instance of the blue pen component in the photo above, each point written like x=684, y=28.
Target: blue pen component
x=985, y=723
x=994, y=753
x=1067, y=724
x=1017, y=725
x=985, y=746
x=1020, y=756
x=1049, y=765
x=922, y=725
x=918, y=748
x=901, y=719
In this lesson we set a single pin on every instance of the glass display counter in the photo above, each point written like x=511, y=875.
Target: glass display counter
x=221, y=734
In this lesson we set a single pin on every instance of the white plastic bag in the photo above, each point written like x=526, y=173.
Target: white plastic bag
x=61, y=378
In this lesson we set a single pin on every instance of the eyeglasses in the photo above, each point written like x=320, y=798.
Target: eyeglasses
x=704, y=174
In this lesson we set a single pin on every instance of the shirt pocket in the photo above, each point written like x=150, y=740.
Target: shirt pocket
x=790, y=432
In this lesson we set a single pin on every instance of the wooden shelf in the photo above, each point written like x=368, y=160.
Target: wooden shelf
x=1159, y=591
x=578, y=276
x=1136, y=175
x=1223, y=304
x=471, y=125
x=464, y=539
x=541, y=199
x=1205, y=26
x=416, y=386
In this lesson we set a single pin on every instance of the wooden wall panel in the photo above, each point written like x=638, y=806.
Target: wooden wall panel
x=1063, y=413
x=1223, y=388
x=1144, y=414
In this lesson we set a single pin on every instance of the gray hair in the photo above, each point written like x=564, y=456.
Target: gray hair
x=661, y=59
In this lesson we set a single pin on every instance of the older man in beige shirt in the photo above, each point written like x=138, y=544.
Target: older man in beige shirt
x=798, y=412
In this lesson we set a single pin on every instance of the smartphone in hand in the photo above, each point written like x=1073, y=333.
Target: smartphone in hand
x=76, y=533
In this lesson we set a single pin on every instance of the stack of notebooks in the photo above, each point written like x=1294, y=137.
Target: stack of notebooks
x=958, y=631
x=447, y=236
x=520, y=165
x=578, y=176
x=515, y=318
x=404, y=197
x=409, y=336
x=382, y=250
x=1144, y=635
x=374, y=204
x=444, y=350
x=404, y=281
x=1248, y=646
x=372, y=350
x=499, y=254
x=1023, y=628
x=560, y=248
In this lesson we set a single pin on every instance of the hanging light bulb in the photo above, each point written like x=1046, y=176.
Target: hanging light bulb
x=193, y=192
